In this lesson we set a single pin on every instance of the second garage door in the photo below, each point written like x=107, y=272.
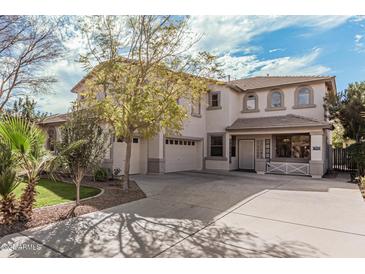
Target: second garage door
x=182, y=154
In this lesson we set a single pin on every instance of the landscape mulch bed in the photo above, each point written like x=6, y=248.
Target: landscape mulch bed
x=113, y=195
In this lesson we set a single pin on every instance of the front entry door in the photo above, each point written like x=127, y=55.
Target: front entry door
x=246, y=154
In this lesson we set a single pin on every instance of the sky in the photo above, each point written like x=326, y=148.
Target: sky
x=251, y=46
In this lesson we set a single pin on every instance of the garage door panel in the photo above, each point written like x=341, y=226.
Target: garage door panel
x=182, y=155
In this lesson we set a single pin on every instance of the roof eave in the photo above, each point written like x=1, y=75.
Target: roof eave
x=282, y=85
x=323, y=126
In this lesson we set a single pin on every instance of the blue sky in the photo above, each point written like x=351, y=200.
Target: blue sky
x=253, y=45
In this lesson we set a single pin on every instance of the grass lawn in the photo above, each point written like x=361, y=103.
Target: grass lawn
x=55, y=192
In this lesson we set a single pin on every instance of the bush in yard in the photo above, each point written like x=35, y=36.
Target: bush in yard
x=357, y=154
x=8, y=182
x=347, y=107
x=26, y=142
x=82, y=146
x=101, y=175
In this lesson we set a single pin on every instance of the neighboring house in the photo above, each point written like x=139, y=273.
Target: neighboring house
x=263, y=124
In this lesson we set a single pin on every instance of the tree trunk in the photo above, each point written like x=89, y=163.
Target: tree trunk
x=8, y=209
x=77, y=193
x=127, y=164
x=77, y=181
x=27, y=200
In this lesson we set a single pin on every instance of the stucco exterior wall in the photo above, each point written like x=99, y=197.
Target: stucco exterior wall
x=317, y=112
x=149, y=155
x=218, y=119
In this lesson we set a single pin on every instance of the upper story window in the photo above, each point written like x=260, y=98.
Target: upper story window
x=303, y=97
x=196, y=109
x=214, y=100
x=275, y=100
x=250, y=103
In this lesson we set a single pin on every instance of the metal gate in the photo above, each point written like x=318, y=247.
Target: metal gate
x=340, y=160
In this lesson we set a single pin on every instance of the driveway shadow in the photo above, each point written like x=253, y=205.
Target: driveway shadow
x=179, y=219
x=132, y=235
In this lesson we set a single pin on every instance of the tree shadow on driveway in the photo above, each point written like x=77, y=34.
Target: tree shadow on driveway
x=191, y=215
x=132, y=235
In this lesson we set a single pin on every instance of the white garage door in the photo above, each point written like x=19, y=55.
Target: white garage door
x=182, y=154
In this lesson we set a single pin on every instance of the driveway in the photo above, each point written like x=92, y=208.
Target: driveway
x=217, y=214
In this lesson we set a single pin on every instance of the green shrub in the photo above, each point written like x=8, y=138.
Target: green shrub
x=101, y=174
x=357, y=154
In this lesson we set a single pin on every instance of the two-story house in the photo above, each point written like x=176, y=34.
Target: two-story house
x=263, y=124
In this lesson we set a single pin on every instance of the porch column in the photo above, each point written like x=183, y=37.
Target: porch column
x=260, y=166
x=316, y=164
x=156, y=159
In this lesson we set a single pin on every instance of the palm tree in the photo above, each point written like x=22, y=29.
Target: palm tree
x=26, y=141
x=7, y=185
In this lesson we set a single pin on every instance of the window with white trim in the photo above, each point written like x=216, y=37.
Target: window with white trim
x=214, y=100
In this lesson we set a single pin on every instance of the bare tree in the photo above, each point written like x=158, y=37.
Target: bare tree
x=27, y=45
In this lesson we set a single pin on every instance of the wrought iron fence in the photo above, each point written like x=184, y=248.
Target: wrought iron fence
x=339, y=160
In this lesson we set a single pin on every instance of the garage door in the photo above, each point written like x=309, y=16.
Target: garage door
x=182, y=154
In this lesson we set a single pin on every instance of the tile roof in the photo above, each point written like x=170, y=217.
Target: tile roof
x=259, y=82
x=57, y=118
x=286, y=121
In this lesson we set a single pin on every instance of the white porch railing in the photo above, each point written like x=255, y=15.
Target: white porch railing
x=287, y=168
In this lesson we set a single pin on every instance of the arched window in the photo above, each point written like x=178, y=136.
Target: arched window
x=276, y=99
x=51, y=132
x=250, y=103
x=304, y=97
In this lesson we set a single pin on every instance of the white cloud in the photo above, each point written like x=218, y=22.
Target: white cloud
x=358, y=18
x=68, y=72
x=227, y=34
x=221, y=35
x=244, y=66
x=59, y=99
x=358, y=38
x=276, y=50
x=359, y=43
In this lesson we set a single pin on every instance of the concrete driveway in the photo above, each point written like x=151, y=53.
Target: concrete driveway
x=227, y=214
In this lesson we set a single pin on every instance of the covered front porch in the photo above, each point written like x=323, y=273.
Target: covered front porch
x=283, y=147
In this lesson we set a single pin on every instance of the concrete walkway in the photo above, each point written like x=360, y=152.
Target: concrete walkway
x=196, y=214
